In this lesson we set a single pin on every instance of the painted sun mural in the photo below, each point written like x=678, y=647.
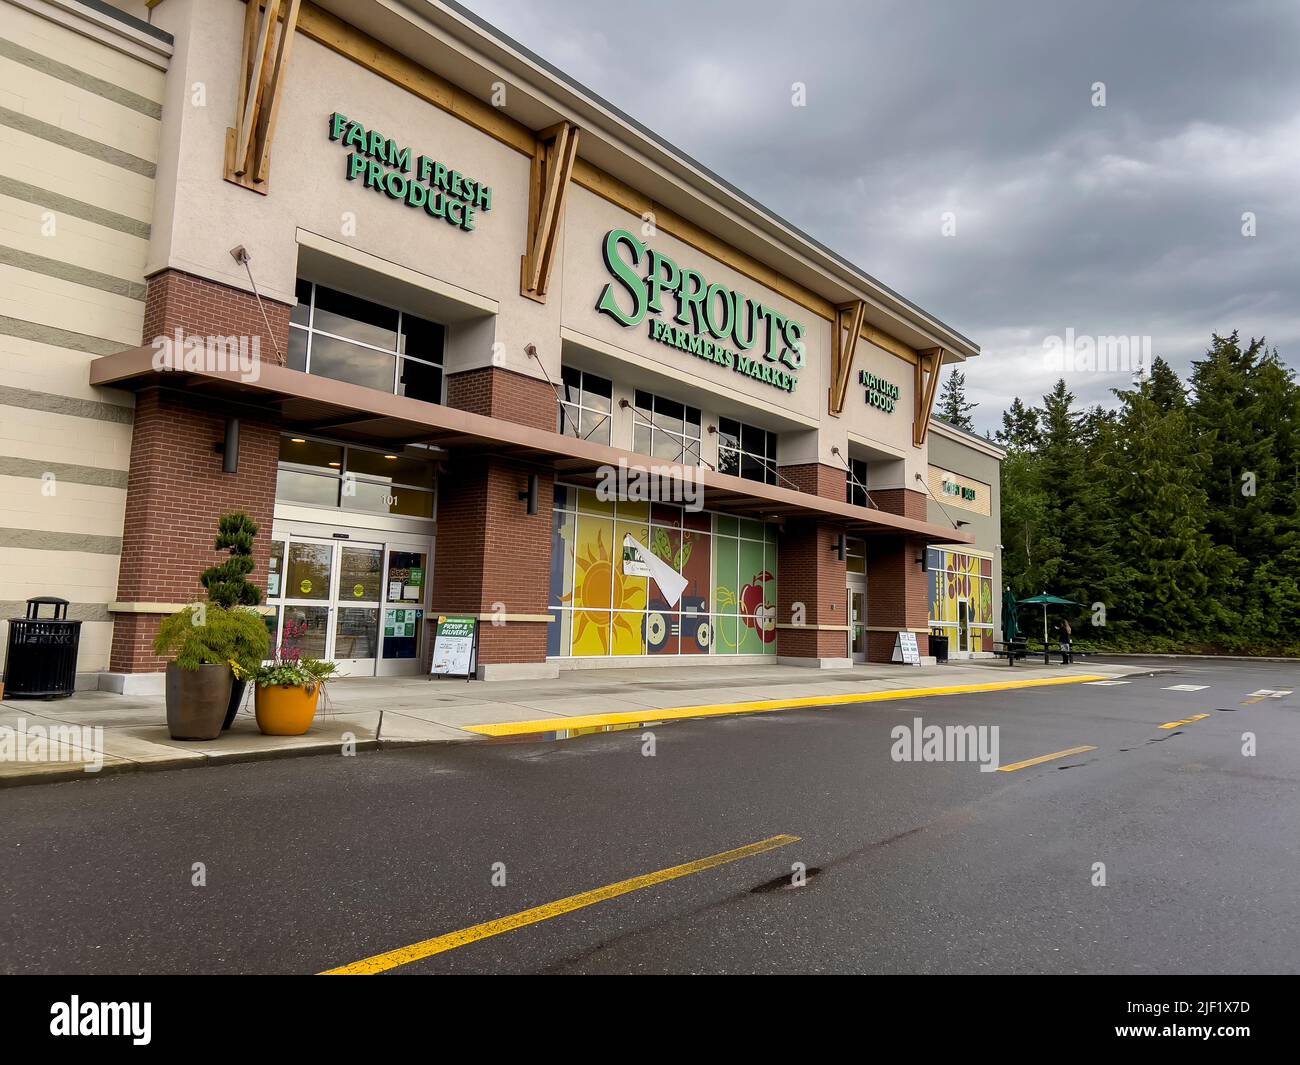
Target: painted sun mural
x=602, y=607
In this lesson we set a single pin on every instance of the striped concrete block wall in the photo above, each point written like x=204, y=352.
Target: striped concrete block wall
x=80, y=117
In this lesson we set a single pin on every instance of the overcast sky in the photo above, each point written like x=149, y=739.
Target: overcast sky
x=1117, y=220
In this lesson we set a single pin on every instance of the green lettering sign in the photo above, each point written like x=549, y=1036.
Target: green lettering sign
x=879, y=393
x=385, y=166
x=642, y=279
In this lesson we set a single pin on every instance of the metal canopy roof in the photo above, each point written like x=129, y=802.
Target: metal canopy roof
x=310, y=404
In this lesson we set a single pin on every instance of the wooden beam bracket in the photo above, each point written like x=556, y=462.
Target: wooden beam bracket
x=846, y=327
x=928, y=369
x=269, y=29
x=548, y=190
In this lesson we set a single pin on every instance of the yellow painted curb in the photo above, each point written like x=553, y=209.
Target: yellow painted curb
x=679, y=713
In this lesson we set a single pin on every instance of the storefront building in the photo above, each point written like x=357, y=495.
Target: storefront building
x=966, y=579
x=462, y=338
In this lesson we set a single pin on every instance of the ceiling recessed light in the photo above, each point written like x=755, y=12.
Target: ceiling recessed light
x=298, y=440
x=336, y=464
x=390, y=456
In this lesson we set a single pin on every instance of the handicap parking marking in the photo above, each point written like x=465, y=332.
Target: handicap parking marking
x=1186, y=687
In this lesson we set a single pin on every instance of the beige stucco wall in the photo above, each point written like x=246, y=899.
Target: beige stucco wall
x=201, y=217
x=309, y=189
x=79, y=136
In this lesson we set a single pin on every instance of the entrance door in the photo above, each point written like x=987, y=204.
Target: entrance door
x=858, y=619
x=332, y=594
x=358, y=592
x=963, y=625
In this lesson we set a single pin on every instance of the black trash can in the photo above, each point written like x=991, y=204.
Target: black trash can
x=939, y=647
x=41, y=661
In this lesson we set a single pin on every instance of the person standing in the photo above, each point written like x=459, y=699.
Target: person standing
x=1067, y=642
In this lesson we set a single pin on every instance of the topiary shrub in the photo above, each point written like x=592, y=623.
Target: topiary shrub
x=197, y=636
x=228, y=584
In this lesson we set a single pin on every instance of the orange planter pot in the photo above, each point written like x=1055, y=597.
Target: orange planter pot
x=286, y=710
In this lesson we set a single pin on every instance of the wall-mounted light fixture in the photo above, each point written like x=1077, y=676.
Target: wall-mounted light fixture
x=529, y=494
x=841, y=547
x=228, y=447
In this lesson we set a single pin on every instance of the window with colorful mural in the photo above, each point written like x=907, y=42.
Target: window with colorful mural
x=961, y=599
x=605, y=603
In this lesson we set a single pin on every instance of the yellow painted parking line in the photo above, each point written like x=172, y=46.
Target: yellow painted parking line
x=1043, y=758
x=1185, y=721
x=679, y=713
x=440, y=944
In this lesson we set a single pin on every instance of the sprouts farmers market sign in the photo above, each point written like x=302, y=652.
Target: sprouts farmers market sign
x=712, y=322
x=380, y=163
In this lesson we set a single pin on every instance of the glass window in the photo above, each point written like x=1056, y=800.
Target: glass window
x=389, y=467
x=419, y=380
x=857, y=488
x=292, y=486
x=347, y=316
x=303, y=452
x=323, y=474
x=341, y=360
x=666, y=429
x=301, y=313
x=346, y=338
x=585, y=405
x=746, y=451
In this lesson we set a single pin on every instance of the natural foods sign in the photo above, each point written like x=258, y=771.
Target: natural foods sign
x=710, y=321
x=879, y=393
x=380, y=163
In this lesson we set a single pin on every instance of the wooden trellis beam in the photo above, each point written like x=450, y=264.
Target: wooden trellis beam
x=929, y=366
x=269, y=30
x=845, y=330
x=553, y=158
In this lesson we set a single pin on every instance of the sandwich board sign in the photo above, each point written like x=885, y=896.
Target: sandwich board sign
x=906, y=650
x=454, y=643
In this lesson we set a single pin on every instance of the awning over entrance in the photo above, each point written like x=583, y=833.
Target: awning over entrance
x=307, y=403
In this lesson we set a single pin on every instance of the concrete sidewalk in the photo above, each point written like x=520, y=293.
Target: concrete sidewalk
x=371, y=713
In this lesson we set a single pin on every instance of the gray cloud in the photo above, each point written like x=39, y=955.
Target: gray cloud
x=1122, y=220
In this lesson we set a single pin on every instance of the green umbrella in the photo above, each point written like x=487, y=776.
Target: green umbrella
x=1046, y=600
x=1010, y=618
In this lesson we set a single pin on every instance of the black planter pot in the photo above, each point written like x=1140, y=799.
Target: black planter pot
x=236, y=697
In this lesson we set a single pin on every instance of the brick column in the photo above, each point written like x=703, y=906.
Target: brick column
x=174, y=495
x=811, y=577
x=501, y=393
x=817, y=479
x=492, y=557
x=897, y=594
x=489, y=550
x=902, y=501
x=176, y=489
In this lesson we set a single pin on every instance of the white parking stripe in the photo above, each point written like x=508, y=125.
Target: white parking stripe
x=1104, y=683
x=1186, y=687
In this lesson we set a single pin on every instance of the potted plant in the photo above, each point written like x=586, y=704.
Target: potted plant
x=288, y=690
x=229, y=588
x=204, y=642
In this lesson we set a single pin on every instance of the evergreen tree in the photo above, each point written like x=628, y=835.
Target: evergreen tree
x=1019, y=427
x=953, y=407
x=1076, y=537
x=1171, y=570
x=1166, y=391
